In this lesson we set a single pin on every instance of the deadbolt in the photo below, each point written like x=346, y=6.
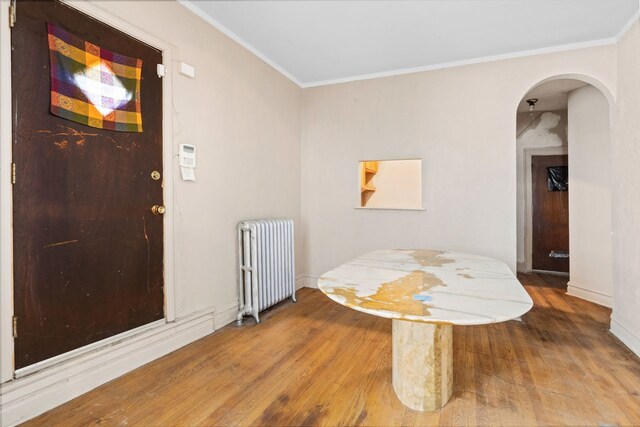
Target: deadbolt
x=155, y=175
x=158, y=209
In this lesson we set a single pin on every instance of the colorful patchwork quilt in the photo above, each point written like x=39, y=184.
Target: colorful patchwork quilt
x=93, y=86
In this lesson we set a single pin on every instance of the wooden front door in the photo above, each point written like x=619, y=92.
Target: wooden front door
x=88, y=251
x=550, y=215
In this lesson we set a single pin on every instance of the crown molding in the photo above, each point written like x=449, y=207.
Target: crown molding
x=233, y=36
x=480, y=60
x=188, y=4
x=626, y=27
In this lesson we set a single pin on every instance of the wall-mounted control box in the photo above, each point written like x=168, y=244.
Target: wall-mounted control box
x=187, y=156
x=187, y=162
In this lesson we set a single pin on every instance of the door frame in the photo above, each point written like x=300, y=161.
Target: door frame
x=7, y=369
x=528, y=199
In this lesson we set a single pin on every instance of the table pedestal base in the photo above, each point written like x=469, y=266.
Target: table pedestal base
x=422, y=364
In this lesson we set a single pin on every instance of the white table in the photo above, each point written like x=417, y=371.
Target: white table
x=425, y=292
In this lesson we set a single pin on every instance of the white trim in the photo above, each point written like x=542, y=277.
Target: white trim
x=626, y=27
x=625, y=334
x=35, y=394
x=189, y=4
x=480, y=60
x=528, y=214
x=388, y=209
x=390, y=159
x=229, y=314
x=310, y=282
x=6, y=205
x=225, y=316
x=589, y=295
x=90, y=348
x=233, y=36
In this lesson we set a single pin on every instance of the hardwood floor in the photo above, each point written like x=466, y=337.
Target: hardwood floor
x=319, y=363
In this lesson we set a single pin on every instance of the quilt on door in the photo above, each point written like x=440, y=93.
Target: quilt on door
x=93, y=86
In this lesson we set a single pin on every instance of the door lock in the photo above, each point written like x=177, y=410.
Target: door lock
x=155, y=175
x=158, y=209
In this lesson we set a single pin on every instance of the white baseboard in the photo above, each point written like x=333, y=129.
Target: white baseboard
x=229, y=314
x=32, y=395
x=626, y=335
x=225, y=316
x=310, y=282
x=586, y=294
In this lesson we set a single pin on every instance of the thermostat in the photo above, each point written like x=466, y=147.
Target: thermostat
x=187, y=157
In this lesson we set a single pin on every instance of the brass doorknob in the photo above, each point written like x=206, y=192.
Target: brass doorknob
x=158, y=209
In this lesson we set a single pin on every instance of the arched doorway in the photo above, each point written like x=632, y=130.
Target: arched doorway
x=563, y=142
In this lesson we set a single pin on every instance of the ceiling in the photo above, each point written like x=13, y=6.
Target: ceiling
x=321, y=42
x=552, y=95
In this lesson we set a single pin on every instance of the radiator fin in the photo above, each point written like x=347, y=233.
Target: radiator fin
x=266, y=275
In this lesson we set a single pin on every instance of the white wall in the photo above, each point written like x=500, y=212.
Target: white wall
x=625, y=321
x=245, y=119
x=590, y=245
x=545, y=130
x=460, y=121
x=398, y=184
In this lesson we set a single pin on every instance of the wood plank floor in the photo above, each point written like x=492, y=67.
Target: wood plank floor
x=319, y=363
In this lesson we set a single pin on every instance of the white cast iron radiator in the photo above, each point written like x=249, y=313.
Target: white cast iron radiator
x=266, y=268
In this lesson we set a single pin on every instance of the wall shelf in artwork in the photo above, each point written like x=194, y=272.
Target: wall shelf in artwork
x=367, y=171
x=394, y=184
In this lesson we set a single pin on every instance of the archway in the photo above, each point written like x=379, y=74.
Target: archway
x=568, y=118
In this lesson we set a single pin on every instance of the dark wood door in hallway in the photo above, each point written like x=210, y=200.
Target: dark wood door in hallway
x=550, y=215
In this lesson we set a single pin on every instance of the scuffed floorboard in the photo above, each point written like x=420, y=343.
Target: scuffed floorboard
x=319, y=363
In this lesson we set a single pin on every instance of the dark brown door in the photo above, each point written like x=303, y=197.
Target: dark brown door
x=87, y=248
x=550, y=214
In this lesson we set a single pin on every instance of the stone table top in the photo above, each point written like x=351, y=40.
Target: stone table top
x=428, y=286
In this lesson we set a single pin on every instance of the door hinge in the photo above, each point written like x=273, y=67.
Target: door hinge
x=15, y=327
x=13, y=173
x=12, y=14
